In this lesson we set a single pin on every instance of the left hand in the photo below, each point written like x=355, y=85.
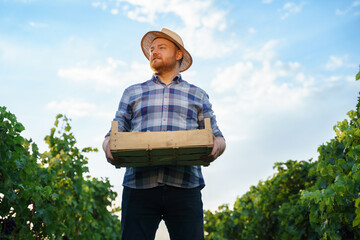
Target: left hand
x=218, y=149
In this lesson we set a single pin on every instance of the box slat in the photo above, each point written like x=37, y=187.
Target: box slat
x=140, y=149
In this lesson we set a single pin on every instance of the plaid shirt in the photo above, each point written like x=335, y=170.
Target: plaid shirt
x=154, y=106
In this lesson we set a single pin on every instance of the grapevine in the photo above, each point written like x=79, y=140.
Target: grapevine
x=8, y=225
x=304, y=199
x=48, y=192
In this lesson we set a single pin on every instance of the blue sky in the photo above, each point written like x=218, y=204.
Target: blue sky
x=280, y=74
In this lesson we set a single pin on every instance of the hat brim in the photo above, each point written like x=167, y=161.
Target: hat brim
x=149, y=37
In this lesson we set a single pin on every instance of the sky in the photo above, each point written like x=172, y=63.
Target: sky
x=279, y=74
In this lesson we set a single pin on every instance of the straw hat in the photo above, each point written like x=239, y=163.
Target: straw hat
x=149, y=37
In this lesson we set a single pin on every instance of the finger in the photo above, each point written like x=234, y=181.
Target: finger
x=208, y=158
x=110, y=161
x=215, y=147
x=109, y=155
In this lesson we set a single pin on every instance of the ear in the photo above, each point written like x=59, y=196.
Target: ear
x=179, y=54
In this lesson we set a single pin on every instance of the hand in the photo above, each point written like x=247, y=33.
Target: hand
x=109, y=156
x=218, y=149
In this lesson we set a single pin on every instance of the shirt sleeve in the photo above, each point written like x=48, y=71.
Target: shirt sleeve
x=123, y=114
x=209, y=113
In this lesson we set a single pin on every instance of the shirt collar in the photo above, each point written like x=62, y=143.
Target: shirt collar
x=177, y=79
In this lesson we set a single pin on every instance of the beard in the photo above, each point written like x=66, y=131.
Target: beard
x=161, y=66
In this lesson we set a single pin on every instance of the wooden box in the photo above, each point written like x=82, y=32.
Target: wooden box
x=140, y=149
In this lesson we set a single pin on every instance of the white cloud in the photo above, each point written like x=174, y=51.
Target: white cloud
x=203, y=27
x=252, y=30
x=95, y=4
x=106, y=77
x=77, y=108
x=266, y=85
x=22, y=55
x=336, y=62
x=259, y=81
x=290, y=8
x=250, y=92
x=9, y=51
x=102, y=5
x=37, y=24
x=236, y=74
x=25, y=1
x=114, y=11
x=194, y=13
x=202, y=43
x=351, y=8
x=340, y=12
x=265, y=52
x=339, y=78
x=259, y=87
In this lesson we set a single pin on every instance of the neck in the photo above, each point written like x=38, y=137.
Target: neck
x=167, y=77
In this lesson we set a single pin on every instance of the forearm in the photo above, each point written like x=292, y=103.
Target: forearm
x=221, y=144
x=105, y=143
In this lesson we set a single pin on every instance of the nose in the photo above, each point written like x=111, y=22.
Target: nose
x=154, y=54
x=154, y=51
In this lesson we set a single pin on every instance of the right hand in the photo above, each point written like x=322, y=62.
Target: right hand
x=108, y=154
x=110, y=157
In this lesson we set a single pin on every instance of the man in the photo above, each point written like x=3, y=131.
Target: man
x=164, y=103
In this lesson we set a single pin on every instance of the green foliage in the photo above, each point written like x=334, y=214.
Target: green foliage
x=271, y=210
x=334, y=199
x=48, y=193
x=303, y=200
x=19, y=183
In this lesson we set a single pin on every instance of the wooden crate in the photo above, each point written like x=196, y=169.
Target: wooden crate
x=141, y=149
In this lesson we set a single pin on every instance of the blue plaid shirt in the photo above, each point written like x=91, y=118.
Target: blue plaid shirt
x=154, y=106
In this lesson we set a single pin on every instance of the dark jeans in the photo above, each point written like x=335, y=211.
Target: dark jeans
x=180, y=208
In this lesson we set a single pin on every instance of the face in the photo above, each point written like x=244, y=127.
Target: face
x=164, y=56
